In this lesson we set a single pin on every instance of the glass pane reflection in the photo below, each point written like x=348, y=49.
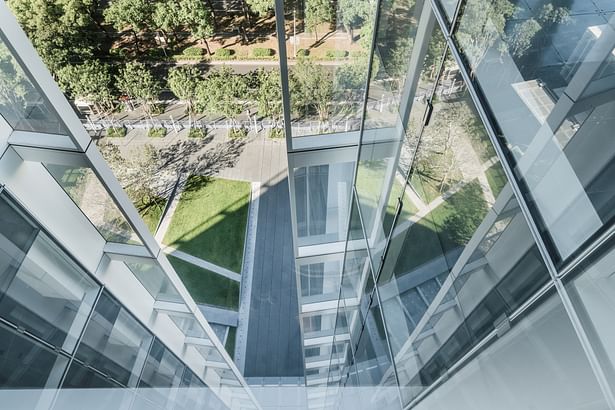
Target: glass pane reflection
x=88, y=193
x=21, y=103
x=547, y=69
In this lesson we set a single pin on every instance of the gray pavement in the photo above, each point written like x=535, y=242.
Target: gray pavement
x=274, y=339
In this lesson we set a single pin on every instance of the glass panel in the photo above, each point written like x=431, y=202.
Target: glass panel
x=322, y=195
x=327, y=98
x=85, y=189
x=398, y=23
x=539, y=364
x=433, y=322
x=388, y=151
x=592, y=290
x=114, y=343
x=26, y=364
x=41, y=290
x=320, y=278
x=193, y=393
x=163, y=371
x=155, y=281
x=547, y=72
x=21, y=103
x=79, y=376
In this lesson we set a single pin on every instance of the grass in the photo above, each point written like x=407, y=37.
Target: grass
x=116, y=132
x=448, y=226
x=210, y=220
x=196, y=133
x=369, y=187
x=230, y=342
x=152, y=213
x=207, y=287
x=158, y=132
x=496, y=178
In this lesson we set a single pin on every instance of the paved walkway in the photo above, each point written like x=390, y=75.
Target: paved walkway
x=247, y=271
x=202, y=263
x=274, y=338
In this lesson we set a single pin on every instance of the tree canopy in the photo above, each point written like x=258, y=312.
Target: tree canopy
x=90, y=81
x=138, y=82
x=183, y=82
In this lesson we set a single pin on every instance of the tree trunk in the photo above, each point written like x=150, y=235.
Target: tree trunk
x=206, y=45
x=136, y=38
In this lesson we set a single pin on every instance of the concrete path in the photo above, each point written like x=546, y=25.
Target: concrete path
x=169, y=250
x=241, y=338
x=220, y=316
x=164, y=224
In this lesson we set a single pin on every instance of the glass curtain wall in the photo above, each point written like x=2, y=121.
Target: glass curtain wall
x=444, y=283
x=60, y=332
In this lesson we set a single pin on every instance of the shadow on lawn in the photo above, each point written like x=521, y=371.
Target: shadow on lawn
x=222, y=242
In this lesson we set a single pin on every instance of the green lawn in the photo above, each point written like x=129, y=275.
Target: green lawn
x=230, y=341
x=207, y=287
x=210, y=220
x=152, y=213
x=496, y=178
x=369, y=187
x=445, y=228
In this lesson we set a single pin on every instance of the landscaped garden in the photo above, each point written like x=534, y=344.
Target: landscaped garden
x=210, y=221
x=207, y=287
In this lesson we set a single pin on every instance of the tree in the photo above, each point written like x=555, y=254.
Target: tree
x=197, y=19
x=311, y=88
x=183, y=81
x=14, y=86
x=353, y=13
x=316, y=13
x=167, y=18
x=481, y=26
x=223, y=93
x=138, y=82
x=60, y=30
x=133, y=15
x=90, y=81
x=268, y=94
x=261, y=7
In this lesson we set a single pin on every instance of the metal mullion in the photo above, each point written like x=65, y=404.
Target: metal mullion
x=280, y=23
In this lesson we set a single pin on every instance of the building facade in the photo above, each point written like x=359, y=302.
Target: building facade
x=91, y=312
x=453, y=231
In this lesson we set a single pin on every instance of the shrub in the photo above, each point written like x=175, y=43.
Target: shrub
x=262, y=52
x=157, y=132
x=358, y=54
x=238, y=133
x=302, y=52
x=197, y=133
x=335, y=54
x=193, y=52
x=224, y=54
x=276, y=133
x=116, y=132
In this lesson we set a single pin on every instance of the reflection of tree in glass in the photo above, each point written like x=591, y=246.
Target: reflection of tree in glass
x=14, y=86
x=482, y=25
x=485, y=24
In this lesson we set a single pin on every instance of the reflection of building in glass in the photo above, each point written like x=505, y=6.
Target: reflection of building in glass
x=473, y=268
x=452, y=204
